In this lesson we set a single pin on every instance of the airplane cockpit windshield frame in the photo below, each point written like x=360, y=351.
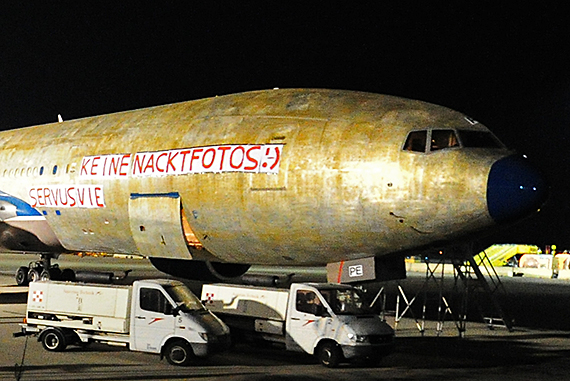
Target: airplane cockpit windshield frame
x=479, y=139
x=443, y=139
x=447, y=138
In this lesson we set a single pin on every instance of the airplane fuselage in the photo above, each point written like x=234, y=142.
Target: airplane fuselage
x=296, y=177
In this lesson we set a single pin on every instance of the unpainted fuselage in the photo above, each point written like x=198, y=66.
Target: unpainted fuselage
x=297, y=177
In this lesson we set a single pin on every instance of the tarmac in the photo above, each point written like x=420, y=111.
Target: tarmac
x=532, y=351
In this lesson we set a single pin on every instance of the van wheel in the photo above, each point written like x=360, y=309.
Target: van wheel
x=329, y=354
x=53, y=340
x=178, y=353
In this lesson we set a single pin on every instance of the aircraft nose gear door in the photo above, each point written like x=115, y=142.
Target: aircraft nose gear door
x=156, y=225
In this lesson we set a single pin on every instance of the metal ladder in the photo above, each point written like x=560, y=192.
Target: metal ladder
x=474, y=280
x=477, y=274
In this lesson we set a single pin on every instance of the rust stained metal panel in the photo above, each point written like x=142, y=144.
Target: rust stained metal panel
x=344, y=188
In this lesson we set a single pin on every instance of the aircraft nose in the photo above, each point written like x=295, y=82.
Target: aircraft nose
x=514, y=189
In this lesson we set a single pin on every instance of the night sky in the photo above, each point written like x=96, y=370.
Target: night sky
x=505, y=66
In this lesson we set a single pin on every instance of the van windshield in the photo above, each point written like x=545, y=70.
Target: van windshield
x=346, y=301
x=184, y=298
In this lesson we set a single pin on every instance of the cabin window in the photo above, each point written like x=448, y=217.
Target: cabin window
x=442, y=139
x=41, y=171
x=54, y=169
x=479, y=139
x=416, y=141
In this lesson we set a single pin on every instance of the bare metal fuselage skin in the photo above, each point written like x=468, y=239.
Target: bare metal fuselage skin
x=296, y=177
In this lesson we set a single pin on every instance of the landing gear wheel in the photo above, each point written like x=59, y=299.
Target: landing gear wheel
x=53, y=340
x=45, y=275
x=178, y=353
x=68, y=275
x=329, y=354
x=34, y=274
x=52, y=274
x=22, y=276
x=38, y=270
x=55, y=273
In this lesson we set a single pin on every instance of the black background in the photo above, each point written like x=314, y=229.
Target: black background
x=502, y=63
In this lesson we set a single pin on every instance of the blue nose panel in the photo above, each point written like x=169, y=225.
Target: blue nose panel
x=514, y=189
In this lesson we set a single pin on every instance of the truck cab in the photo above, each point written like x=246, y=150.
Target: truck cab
x=167, y=313
x=334, y=322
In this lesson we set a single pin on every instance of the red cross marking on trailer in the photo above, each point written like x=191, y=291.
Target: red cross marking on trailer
x=38, y=296
x=209, y=297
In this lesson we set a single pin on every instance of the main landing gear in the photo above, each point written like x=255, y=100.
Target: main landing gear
x=42, y=270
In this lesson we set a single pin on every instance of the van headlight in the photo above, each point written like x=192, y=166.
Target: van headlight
x=204, y=336
x=358, y=338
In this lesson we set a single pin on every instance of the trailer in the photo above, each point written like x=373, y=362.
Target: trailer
x=156, y=316
x=330, y=321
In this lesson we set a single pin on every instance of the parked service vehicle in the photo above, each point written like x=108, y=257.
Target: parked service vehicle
x=330, y=321
x=157, y=316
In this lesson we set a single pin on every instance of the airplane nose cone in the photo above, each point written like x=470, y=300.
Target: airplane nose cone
x=514, y=189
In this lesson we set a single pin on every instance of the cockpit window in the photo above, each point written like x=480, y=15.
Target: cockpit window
x=416, y=141
x=441, y=139
x=444, y=139
x=478, y=139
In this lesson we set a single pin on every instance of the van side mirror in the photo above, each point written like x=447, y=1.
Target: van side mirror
x=174, y=311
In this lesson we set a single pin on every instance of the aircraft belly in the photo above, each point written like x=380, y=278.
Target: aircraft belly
x=17, y=239
x=38, y=227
